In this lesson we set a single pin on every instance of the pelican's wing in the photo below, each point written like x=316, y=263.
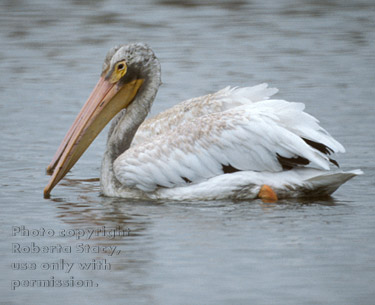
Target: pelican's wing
x=222, y=100
x=269, y=135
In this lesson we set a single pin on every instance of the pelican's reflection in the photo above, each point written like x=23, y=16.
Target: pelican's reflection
x=113, y=235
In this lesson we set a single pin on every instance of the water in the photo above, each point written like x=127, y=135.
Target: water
x=294, y=252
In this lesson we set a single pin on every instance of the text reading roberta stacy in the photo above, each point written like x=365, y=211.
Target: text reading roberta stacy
x=33, y=249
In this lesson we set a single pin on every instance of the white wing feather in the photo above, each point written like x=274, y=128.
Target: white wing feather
x=228, y=129
x=222, y=100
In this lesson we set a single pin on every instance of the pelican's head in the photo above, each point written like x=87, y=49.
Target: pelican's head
x=125, y=69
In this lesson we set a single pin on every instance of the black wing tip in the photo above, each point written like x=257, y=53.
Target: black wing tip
x=323, y=149
x=186, y=179
x=319, y=146
x=229, y=169
x=289, y=163
x=334, y=162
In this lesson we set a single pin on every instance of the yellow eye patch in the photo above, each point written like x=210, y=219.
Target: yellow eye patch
x=119, y=71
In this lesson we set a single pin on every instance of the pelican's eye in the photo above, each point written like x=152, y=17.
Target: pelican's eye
x=119, y=71
x=120, y=66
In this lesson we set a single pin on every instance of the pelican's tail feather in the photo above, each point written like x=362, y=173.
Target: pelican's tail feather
x=326, y=183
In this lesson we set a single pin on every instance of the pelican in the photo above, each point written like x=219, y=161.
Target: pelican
x=234, y=144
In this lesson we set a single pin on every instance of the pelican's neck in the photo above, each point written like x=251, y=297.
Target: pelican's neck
x=125, y=124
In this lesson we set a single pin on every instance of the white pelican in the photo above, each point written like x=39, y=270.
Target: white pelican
x=233, y=144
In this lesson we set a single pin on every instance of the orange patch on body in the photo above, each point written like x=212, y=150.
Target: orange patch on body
x=267, y=194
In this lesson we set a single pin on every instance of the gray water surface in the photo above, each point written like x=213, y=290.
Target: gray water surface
x=320, y=53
